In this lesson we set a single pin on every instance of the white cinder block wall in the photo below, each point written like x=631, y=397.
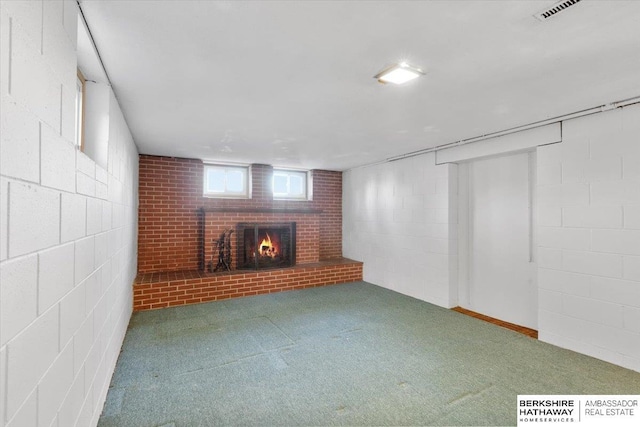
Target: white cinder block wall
x=400, y=218
x=589, y=237
x=67, y=229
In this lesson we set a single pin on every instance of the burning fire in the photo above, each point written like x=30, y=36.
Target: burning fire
x=267, y=248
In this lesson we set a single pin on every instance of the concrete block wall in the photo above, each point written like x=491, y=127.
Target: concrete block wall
x=67, y=229
x=400, y=219
x=589, y=237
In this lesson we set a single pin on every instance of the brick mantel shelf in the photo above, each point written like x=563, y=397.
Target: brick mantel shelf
x=263, y=210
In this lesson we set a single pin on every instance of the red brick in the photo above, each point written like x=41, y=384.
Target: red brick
x=233, y=285
x=170, y=194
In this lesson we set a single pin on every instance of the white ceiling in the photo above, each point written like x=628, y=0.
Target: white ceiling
x=291, y=83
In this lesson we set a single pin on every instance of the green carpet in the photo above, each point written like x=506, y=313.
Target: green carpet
x=352, y=354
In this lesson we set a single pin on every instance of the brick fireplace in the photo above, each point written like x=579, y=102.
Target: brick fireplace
x=217, y=220
x=178, y=227
x=262, y=246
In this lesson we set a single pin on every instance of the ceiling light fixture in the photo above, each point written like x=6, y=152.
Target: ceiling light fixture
x=399, y=74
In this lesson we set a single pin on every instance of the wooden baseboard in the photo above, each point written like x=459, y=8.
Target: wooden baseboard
x=517, y=328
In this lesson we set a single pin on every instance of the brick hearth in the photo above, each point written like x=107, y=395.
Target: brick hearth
x=169, y=289
x=177, y=225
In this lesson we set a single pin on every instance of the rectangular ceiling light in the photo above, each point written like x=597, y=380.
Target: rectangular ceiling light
x=399, y=74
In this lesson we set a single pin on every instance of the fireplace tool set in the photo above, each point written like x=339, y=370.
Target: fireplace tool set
x=223, y=247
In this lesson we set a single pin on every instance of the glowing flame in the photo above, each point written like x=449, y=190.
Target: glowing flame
x=267, y=248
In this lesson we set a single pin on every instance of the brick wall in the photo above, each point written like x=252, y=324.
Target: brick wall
x=327, y=195
x=170, y=227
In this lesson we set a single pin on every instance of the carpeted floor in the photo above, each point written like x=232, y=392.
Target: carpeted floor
x=352, y=354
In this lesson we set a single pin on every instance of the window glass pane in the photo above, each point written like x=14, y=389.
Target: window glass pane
x=296, y=185
x=235, y=181
x=226, y=181
x=78, y=112
x=215, y=180
x=290, y=184
x=279, y=184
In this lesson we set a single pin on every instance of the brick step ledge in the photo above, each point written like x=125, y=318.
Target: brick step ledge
x=174, y=288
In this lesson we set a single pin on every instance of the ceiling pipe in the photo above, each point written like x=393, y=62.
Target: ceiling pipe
x=581, y=113
x=93, y=42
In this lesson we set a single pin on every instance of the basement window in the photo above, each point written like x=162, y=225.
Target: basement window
x=80, y=95
x=291, y=184
x=226, y=181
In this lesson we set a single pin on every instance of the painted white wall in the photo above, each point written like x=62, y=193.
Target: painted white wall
x=589, y=237
x=400, y=219
x=67, y=229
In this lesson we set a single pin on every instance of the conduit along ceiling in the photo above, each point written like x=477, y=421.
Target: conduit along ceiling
x=291, y=83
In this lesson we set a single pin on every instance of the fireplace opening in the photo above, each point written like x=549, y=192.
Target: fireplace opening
x=263, y=246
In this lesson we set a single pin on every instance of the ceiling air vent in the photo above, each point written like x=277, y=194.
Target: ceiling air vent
x=555, y=9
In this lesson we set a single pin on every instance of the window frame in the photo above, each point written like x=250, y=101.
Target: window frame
x=307, y=184
x=226, y=193
x=80, y=110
